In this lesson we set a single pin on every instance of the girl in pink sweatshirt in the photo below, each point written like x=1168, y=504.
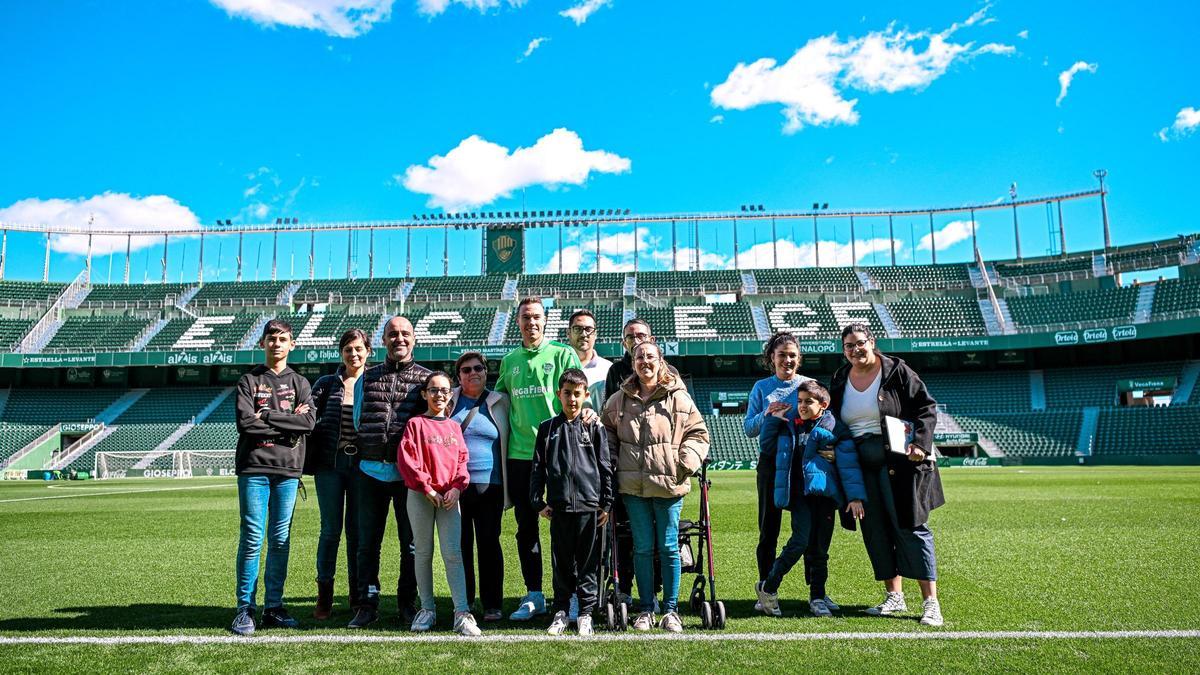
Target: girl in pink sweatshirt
x=433, y=462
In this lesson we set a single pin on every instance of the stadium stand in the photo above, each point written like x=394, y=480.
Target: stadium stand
x=29, y=293
x=1080, y=306
x=1075, y=263
x=97, y=334
x=206, y=332
x=1145, y=430
x=807, y=280
x=703, y=388
x=601, y=284
x=926, y=316
x=12, y=330
x=920, y=276
x=124, y=438
x=238, y=294
x=728, y=441
x=346, y=290
x=1033, y=434
x=609, y=320
x=465, y=288
x=1176, y=295
x=51, y=406
x=983, y=392
x=690, y=283
x=439, y=325
x=174, y=405
x=722, y=321
x=323, y=329
x=133, y=295
x=1097, y=385
x=815, y=319
x=209, y=436
x=14, y=436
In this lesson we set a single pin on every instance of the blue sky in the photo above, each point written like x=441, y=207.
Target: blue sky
x=171, y=113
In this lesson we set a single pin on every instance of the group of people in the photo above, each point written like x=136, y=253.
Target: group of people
x=568, y=436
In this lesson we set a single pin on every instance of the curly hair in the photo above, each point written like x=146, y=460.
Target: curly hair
x=766, y=359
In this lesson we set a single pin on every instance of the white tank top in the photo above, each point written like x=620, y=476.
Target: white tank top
x=860, y=409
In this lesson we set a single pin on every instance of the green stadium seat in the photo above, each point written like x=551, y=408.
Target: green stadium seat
x=718, y=321
x=1086, y=386
x=807, y=280
x=1115, y=304
x=1143, y=430
x=601, y=284
x=97, y=334
x=347, y=291
x=812, y=319
x=206, y=332
x=728, y=439
x=442, y=325
x=123, y=296
x=14, y=436
x=12, y=331
x=1052, y=433
x=486, y=287
x=902, y=277
x=29, y=293
x=324, y=329
x=980, y=392
x=51, y=406
x=928, y=316
x=238, y=294
x=690, y=283
x=1176, y=295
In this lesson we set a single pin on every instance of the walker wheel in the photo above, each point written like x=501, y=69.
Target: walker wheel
x=719, y=615
x=622, y=616
x=697, y=595
x=706, y=615
x=610, y=616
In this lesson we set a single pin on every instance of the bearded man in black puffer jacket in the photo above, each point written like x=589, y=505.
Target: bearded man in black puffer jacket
x=391, y=397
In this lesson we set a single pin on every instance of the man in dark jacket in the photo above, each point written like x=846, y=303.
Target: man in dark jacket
x=274, y=412
x=391, y=397
x=571, y=466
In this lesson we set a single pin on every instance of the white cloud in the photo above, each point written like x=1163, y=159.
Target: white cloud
x=110, y=211
x=477, y=171
x=833, y=253
x=436, y=7
x=1186, y=122
x=717, y=119
x=829, y=159
x=579, y=13
x=1065, y=77
x=533, y=45
x=685, y=259
x=340, y=18
x=1024, y=35
x=616, y=252
x=948, y=235
x=251, y=191
x=811, y=85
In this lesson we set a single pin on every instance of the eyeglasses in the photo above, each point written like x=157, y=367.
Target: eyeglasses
x=854, y=345
x=639, y=338
x=477, y=368
x=583, y=330
x=438, y=391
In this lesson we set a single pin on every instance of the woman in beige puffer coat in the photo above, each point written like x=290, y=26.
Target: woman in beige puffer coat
x=659, y=441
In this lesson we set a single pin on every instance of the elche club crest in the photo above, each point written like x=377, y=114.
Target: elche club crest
x=547, y=368
x=504, y=245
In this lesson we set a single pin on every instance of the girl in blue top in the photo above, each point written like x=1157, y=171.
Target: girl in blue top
x=772, y=395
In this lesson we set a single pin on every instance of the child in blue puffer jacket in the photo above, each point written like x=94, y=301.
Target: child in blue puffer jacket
x=816, y=472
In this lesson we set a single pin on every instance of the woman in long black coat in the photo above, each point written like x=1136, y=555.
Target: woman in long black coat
x=903, y=486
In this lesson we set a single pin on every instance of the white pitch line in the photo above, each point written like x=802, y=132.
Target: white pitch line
x=117, y=492
x=695, y=636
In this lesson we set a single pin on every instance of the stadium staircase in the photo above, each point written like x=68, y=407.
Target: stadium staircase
x=114, y=410
x=867, y=282
x=1183, y=392
x=144, y=338
x=885, y=317
x=749, y=283
x=1145, y=302
x=377, y=336
x=1100, y=266
x=43, y=331
x=77, y=449
x=629, y=288
x=1037, y=390
x=1087, y=432
x=509, y=292
x=250, y=339
x=762, y=326
x=288, y=292
x=402, y=291
x=500, y=324
x=164, y=447
x=186, y=296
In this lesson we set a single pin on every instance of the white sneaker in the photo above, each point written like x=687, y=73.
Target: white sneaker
x=464, y=624
x=644, y=621
x=533, y=604
x=558, y=625
x=424, y=620
x=819, y=608
x=769, y=602
x=573, y=612
x=671, y=623
x=892, y=604
x=833, y=606
x=585, y=626
x=932, y=615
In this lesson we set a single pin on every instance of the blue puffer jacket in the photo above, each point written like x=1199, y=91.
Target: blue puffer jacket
x=840, y=481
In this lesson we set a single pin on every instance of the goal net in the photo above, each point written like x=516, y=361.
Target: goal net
x=171, y=464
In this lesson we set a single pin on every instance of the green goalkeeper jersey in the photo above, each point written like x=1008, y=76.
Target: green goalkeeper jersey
x=530, y=378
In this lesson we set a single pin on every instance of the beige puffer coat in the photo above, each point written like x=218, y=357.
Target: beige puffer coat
x=657, y=444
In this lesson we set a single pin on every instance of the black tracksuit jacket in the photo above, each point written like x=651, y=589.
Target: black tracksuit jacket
x=571, y=465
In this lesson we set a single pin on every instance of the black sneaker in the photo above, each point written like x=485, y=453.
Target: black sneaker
x=277, y=617
x=243, y=621
x=365, y=616
x=407, y=614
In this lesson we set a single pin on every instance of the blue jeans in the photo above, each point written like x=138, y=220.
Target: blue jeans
x=336, y=496
x=654, y=523
x=265, y=503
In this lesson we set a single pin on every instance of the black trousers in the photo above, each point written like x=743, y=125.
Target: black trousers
x=812, y=532
x=770, y=520
x=481, y=515
x=575, y=555
x=374, y=496
x=529, y=542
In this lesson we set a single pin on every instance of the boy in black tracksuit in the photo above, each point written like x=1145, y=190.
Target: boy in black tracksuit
x=571, y=484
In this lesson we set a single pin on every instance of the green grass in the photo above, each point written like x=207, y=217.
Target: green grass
x=1018, y=549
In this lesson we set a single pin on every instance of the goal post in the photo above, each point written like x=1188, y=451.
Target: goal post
x=171, y=464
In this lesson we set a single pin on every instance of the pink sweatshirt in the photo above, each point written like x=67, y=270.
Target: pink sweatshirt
x=433, y=455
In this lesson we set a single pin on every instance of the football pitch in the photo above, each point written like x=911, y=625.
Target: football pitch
x=1041, y=569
